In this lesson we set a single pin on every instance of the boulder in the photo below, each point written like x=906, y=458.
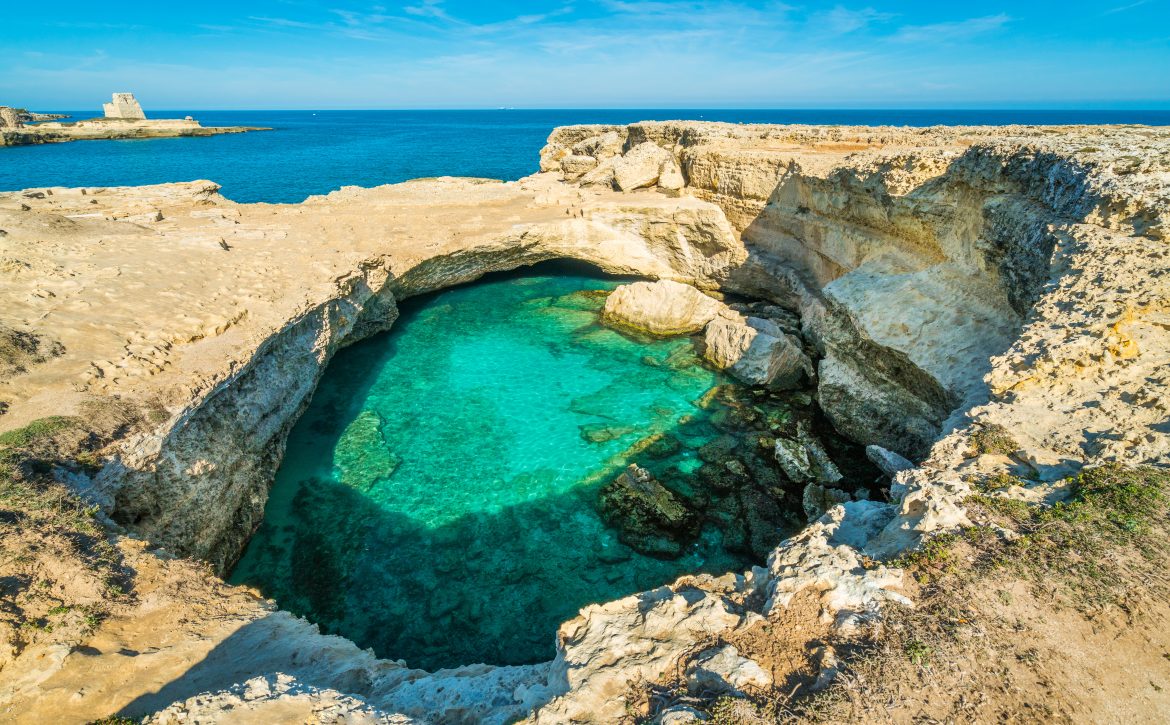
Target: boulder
x=756, y=351
x=575, y=166
x=604, y=146
x=663, y=308
x=888, y=462
x=648, y=517
x=724, y=671
x=640, y=167
x=601, y=175
x=670, y=175
x=680, y=715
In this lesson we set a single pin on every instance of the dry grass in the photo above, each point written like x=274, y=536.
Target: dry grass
x=1062, y=619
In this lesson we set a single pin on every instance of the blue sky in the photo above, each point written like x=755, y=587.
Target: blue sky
x=587, y=53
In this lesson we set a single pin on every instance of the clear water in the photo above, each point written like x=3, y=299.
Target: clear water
x=437, y=500
x=315, y=153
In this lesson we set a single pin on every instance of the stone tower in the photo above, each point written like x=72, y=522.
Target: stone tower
x=124, y=105
x=9, y=118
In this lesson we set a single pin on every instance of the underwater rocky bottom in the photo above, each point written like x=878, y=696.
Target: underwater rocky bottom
x=458, y=487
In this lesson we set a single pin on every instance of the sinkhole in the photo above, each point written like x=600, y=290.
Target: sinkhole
x=443, y=498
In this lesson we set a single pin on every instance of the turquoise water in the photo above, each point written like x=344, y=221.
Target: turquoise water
x=317, y=152
x=438, y=499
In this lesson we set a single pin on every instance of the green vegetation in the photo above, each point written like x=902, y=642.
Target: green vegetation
x=935, y=558
x=998, y=482
x=36, y=431
x=49, y=522
x=994, y=438
x=918, y=652
x=1096, y=542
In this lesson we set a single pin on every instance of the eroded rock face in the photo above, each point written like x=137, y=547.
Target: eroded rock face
x=756, y=351
x=912, y=256
x=663, y=309
x=641, y=166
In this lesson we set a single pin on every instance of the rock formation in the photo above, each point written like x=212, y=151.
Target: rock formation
x=124, y=105
x=947, y=280
x=664, y=308
x=123, y=119
x=649, y=518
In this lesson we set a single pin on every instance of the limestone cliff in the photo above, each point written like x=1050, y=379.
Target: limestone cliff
x=914, y=255
x=950, y=279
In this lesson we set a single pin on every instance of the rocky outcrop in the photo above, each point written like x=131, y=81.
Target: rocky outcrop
x=112, y=128
x=664, y=308
x=947, y=278
x=722, y=670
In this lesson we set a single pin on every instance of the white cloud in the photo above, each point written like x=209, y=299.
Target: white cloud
x=951, y=32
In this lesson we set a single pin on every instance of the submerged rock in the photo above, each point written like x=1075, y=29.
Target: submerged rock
x=664, y=308
x=601, y=433
x=756, y=350
x=805, y=459
x=648, y=517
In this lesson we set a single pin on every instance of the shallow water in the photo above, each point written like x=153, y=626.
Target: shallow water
x=437, y=501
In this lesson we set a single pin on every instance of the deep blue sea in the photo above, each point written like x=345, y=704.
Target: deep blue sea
x=317, y=152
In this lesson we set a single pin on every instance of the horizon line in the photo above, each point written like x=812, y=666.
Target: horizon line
x=871, y=109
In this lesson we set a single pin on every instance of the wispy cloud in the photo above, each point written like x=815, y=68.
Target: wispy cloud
x=951, y=32
x=840, y=20
x=428, y=9
x=1123, y=8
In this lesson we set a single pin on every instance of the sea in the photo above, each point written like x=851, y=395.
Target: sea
x=315, y=152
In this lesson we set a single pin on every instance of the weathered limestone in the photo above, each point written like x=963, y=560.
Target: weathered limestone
x=756, y=351
x=888, y=462
x=641, y=167
x=924, y=262
x=664, y=308
x=723, y=670
x=124, y=105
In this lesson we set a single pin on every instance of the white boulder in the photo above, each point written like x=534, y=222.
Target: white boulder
x=641, y=166
x=756, y=351
x=724, y=670
x=663, y=308
x=887, y=461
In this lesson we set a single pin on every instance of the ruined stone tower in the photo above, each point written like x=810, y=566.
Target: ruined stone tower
x=124, y=105
x=9, y=118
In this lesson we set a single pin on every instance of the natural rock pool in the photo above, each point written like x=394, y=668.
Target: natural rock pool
x=439, y=499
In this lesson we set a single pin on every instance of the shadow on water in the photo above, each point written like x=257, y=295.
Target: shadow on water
x=442, y=507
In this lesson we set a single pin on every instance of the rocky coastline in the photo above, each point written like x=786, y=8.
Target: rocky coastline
x=932, y=284
x=97, y=129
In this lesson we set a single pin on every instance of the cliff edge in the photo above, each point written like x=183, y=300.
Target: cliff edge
x=989, y=303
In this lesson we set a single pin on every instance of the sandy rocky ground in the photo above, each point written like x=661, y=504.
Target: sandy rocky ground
x=955, y=283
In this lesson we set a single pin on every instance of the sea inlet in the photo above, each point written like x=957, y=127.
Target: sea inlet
x=439, y=498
